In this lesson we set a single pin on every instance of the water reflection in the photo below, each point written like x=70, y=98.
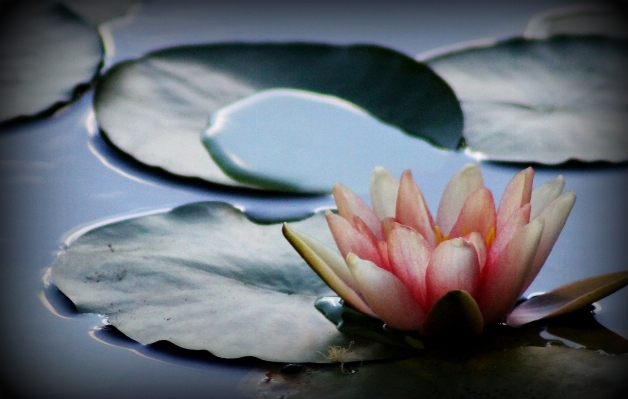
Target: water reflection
x=266, y=206
x=54, y=300
x=299, y=140
x=167, y=352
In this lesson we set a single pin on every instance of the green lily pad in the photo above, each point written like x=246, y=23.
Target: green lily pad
x=155, y=108
x=203, y=276
x=293, y=140
x=48, y=55
x=586, y=19
x=530, y=372
x=546, y=101
x=98, y=12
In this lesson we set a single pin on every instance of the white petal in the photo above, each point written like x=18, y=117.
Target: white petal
x=544, y=194
x=462, y=184
x=384, y=188
x=389, y=298
x=555, y=215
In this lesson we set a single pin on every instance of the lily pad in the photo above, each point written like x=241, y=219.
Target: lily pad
x=585, y=19
x=154, y=108
x=98, y=12
x=47, y=55
x=529, y=372
x=293, y=140
x=203, y=276
x=546, y=101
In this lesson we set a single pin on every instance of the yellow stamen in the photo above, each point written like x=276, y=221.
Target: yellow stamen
x=465, y=230
x=439, y=235
x=490, y=237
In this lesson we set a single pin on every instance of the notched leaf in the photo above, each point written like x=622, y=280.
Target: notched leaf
x=154, y=108
x=48, y=55
x=542, y=100
x=203, y=276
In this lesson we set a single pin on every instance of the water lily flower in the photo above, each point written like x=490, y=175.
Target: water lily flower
x=464, y=269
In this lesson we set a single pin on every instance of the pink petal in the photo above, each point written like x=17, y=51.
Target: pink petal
x=349, y=204
x=350, y=240
x=384, y=189
x=477, y=214
x=409, y=254
x=363, y=229
x=389, y=298
x=382, y=248
x=412, y=209
x=479, y=244
x=517, y=193
x=466, y=181
x=520, y=218
x=555, y=215
x=453, y=266
x=544, y=194
x=504, y=273
x=329, y=265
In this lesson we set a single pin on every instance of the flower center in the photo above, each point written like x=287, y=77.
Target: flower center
x=488, y=240
x=439, y=235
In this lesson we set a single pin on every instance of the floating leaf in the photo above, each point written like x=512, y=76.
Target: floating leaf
x=98, y=12
x=46, y=53
x=203, y=276
x=525, y=373
x=586, y=19
x=293, y=140
x=544, y=101
x=567, y=298
x=155, y=108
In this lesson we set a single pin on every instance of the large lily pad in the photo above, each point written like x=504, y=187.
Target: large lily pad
x=46, y=53
x=293, y=140
x=99, y=12
x=203, y=276
x=155, y=108
x=606, y=19
x=544, y=101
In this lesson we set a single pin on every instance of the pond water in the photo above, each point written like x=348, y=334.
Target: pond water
x=58, y=176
